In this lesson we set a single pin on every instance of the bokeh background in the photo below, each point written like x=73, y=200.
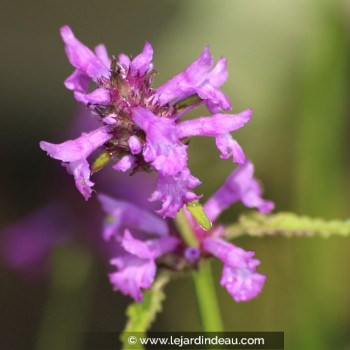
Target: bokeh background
x=288, y=60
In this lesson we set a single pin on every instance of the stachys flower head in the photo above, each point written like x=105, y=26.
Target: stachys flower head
x=141, y=127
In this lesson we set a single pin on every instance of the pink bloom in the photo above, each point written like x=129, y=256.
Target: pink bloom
x=137, y=266
x=199, y=78
x=141, y=127
x=163, y=148
x=123, y=215
x=136, y=263
x=239, y=275
x=174, y=191
x=82, y=58
x=240, y=185
x=219, y=126
x=74, y=153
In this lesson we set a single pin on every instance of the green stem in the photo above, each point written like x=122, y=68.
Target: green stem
x=206, y=297
x=203, y=281
x=185, y=230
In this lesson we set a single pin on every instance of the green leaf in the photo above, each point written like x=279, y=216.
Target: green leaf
x=286, y=224
x=197, y=211
x=142, y=315
x=100, y=162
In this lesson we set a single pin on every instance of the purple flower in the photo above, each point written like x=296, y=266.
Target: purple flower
x=27, y=243
x=240, y=185
x=99, y=96
x=152, y=239
x=163, y=148
x=239, y=275
x=199, y=78
x=87, y=63
x=74, y=153
x=122, y=214
x=128, y=162
x=174, y=191
x=80, y=148
x=219, y=126
x=168, y=155
x=136, y=264
x=135, y=145
x=141, y=127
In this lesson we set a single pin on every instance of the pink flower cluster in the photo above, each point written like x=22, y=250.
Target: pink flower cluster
x=141, y=129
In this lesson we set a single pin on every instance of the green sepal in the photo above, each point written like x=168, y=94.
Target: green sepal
x=286, y=224
x=197, y=211
x=186, y=102
x=142, y=315
x=100, y=162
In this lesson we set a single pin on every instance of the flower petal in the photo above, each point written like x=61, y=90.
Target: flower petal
x=137, y=268
x=215, y=125
x=184, y=84
x=99, y=96
x=135, y=145
x=77, y=81
x=149, y=249
x=125, y=164
x=102, y=54
x=162, y=148
x=214, y=99
x=199, y=79
x=124, y=214
x=135, y=246
x=227, y=252
x=219, y=126
x=82, y=57
x=239, y=274
x=218, y=74
x=242, y=284
x=228, y=147
x=124, y=61
x=240, y=185
x=79, y=148
x=142, y=63
x=252, y=199
x=173, y=192
x=133, y=274
x=80, y=169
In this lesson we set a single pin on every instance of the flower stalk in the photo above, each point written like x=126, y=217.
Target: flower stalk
x=185, y=230
x=208, y=305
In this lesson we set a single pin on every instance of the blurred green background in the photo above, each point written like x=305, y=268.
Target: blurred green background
x=288, y=60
